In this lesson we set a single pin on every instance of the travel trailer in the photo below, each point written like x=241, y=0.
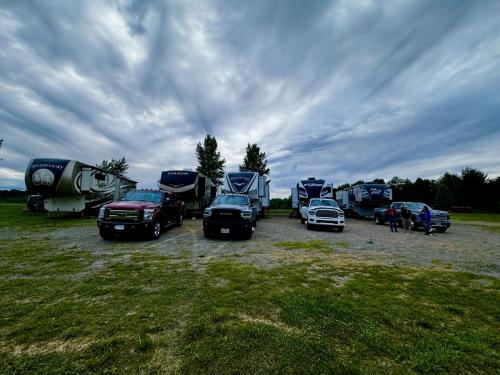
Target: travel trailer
x=361, y=200
x=72, y=186
x=195, y=189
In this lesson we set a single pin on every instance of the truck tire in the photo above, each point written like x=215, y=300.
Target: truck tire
x=248, y=234
x=180, y=220
x=206, y=233
x=155, y=231
x=105, y=235
x=340, y=229
x=441, y=229
x=302, y=220
x=309, y=226
x=379, y=221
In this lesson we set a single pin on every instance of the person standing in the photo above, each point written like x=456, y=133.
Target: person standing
x=393, y=215
x=425, y=218
x=406, y=218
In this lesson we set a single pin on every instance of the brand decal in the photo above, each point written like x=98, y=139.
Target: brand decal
x=43, y=177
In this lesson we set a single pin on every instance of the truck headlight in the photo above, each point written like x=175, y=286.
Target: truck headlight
x=341, y=213
x=102, y=213
x=148, y=214
x=246, y=214
x=207, y=212
x=311, y=213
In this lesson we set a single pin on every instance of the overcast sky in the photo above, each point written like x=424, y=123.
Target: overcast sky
x=343, y=90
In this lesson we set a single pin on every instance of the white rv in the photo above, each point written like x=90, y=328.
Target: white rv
x=195, y=189
x=72, y=186
x=251, y=184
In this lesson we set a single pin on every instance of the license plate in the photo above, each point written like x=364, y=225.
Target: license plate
x=224, y=230
x=119, y=227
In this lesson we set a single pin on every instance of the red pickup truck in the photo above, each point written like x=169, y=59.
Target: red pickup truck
x=140, y=212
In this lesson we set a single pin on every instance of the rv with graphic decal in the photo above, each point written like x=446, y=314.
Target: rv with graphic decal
x=195, y=189
x=251, y=184
x=70, y=186
x=361, y=200
x=307, y=190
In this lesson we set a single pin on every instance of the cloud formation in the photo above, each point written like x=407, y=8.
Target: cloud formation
x=342, y=90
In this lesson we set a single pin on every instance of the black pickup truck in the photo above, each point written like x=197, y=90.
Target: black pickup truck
x=230, y=214
x=440, y=220
x=140, y=212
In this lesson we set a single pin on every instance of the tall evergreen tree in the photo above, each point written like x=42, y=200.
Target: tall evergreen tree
x=119, y=166
x=1, y=144
x=255, y=160
x=210, y=162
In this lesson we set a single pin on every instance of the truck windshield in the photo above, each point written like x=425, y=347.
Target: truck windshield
x=324, y=202
x=237, y=200
x=146, y=196
x=416, y=206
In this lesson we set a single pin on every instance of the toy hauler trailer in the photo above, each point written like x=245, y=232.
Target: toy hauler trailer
x=72, y=186
x=251, y=184
x=195, y=189
x=362, y=199
x=306, y=190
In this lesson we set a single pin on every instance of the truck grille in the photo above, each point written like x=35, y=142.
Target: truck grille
x=123, y=215
x=226, y=215
x=327, y=213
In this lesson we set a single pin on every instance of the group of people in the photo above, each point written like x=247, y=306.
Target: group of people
x=424, y=217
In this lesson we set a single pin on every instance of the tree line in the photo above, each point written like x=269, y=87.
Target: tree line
x=469, y=189
x=210, y=161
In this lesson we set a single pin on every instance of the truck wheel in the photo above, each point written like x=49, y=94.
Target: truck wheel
x=248, y=234
x=105, y=235
x=302, y=220
x=155, y=230
x=206, y=233
x=340, y=229
x=309, y=226
x=180, y=219
x=441, y=229
x=379, y=221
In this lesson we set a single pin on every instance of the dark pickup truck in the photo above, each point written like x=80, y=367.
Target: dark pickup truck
x=440, y=220
x=230, y=214
x=140, y=212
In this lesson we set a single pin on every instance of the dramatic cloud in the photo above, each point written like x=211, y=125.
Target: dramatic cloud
x=343, y=90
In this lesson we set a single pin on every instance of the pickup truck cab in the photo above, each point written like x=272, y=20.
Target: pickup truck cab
x=230, y=214
x=323, y=212
x=140, y=212
x=440, y=220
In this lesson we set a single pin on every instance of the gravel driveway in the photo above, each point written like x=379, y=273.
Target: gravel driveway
x=464, y=247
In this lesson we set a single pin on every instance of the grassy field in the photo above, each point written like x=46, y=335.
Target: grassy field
x=486, y=217
x=72, y=310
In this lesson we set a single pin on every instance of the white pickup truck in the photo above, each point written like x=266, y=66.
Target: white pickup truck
x=323, y=212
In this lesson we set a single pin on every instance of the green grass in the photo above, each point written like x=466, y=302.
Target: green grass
x=16, y=216
x=130, y=309
x=487, y=217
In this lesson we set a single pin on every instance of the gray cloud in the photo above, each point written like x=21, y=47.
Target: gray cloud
x=343, y=90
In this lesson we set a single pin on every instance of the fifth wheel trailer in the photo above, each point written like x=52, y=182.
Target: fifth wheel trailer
x=361, y=200
x=251, y=184
x=72, y=186
x=308, y=189
x=195, y=189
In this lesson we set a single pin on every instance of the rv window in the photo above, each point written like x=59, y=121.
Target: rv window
x=100, y=177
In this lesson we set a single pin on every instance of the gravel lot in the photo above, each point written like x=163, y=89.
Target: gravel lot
x=467, y=247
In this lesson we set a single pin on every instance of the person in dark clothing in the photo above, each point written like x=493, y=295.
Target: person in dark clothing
x=406, y=218
x=393, y=215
